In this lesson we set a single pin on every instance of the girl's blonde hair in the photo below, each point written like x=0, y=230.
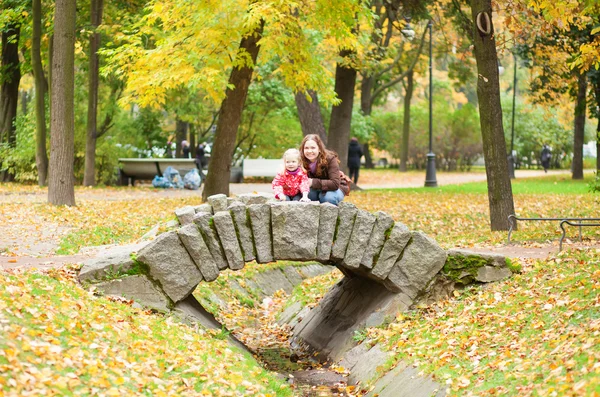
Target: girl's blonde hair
x=292, y=152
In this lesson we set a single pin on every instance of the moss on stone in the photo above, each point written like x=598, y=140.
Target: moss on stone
x=462, y=269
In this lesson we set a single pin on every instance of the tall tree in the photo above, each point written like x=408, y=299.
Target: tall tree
x=41, y=87
x=490, y=115
x=230, y=115
x=61, y=189
x=309, y=113
x=341, y=114
x=579, y=126
x=10, y=76
x=89, y=176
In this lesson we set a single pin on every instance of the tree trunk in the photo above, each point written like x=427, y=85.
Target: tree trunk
x=309, y=114
x=366, y=90
x=181, y=130
x=406, y=123
x=230, y=114
x=11, y=77
x=341, y=115
x=579, y=129
x=41, y=86
x=89, y=176
x=61, y=189
x=490, y=113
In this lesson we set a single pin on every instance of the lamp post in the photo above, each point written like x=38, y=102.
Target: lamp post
x=430, y=177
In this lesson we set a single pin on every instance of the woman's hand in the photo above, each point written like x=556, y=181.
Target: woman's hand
x=310, y=182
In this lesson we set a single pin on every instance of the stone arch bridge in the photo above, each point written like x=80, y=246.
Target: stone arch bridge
x=225, y=233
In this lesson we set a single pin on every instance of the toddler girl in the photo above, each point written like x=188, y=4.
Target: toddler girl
x=292, y=182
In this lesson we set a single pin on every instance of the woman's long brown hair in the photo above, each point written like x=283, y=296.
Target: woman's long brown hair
x=322, y=157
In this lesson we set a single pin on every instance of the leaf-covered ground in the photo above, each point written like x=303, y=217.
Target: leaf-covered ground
x=536, y=334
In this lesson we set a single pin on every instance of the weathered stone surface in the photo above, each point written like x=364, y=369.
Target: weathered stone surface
x=185, y=214
x=231, y=200
x=359, y=239
x=490, y=258
x=260, y=223
x=242, y=224
x=490, y=274
x=422, y=259
x=346, y=216
x=204, y=221
x=295, y=230
x=328, y=328
x=382, y=225
x=229, y=242
x=273, y=280
x=218, y=202
x=194, y=243
x=313, y=270
x=291, y=273
x=117, y=260
x=406, y=381
x=289, y=313
x=171, y=265
x=203, y=208
x=138, y=288
x=172, y=224
x=256, y=198
x=327, y=222
x=392, y=248
x=362, y=362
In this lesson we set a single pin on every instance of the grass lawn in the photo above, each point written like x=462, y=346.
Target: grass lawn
x=537, y=334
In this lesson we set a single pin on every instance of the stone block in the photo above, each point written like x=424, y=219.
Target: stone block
x=260, y=223
x=206, y=225
x=327, y=222
x=171, y=265
x=359, y=239
x=203, y=208
x=382, y=225
x=239, y=212
x=231, y=246
x=421, y=260
x=140, y=289
x=490, y=274
x=194, y=243
x=116, y=261
x=185, y=214
x=256, y=198
x=392, y=248
x=218, y=202
x=347, y=213
x=295, y=229
x=273, y=280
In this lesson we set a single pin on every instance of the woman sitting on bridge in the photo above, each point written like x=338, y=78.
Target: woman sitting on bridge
x=323, y=169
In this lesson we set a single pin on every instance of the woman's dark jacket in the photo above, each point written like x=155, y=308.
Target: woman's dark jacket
x=329, y=178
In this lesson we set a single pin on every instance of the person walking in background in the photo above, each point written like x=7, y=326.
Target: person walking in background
x=545, y=157
x=171, y=146
x=323, y=169
x=185, y=149
x=354, y=155
x=291, y=184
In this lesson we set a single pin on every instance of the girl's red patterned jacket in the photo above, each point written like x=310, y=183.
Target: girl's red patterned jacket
x=290, y=184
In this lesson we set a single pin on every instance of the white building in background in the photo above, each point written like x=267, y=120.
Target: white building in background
x=589, y=149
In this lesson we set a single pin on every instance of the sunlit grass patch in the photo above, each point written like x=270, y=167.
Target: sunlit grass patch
x=57, y=339
x=534, y=334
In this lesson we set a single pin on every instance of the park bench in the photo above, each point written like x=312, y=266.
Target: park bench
x=133, y=169
x=579, y=222
x=261, y=167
